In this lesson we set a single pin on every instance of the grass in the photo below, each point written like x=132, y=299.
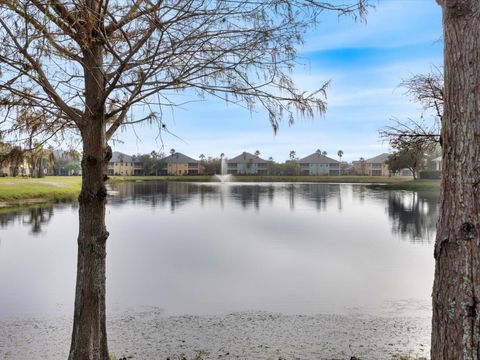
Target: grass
x=18, y=190
x=412, y=185
x=50, y=189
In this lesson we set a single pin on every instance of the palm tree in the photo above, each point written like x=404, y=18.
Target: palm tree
x=324, y=153
x=340, y=154
x=201, y=157
x=292, y=154
x=172, y=151
x=257, y=153
x=318, y=151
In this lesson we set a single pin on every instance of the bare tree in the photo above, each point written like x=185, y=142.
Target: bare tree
x=93, y=66
x=426, y=89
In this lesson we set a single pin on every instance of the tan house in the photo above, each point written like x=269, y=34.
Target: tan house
x=318, y=164
x=179, y=164
x=9, y=169
x=123, y=164
x=375, y=166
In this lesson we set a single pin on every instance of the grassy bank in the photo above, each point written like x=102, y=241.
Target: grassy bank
x=63, y=188
x=412, y=185
x=27, y=190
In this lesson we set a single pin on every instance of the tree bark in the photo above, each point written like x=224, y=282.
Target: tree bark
x=456, y=290
x=89, y=337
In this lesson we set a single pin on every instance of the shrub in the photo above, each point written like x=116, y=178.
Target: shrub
x=430, y=174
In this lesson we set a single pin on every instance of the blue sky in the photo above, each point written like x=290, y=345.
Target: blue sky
x=365, y=62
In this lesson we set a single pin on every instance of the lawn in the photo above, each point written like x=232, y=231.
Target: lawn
x=49, y=189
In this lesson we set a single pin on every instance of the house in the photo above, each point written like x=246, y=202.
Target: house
x=123, y=164
x=375, y=166
x=247, y=164
x=179, y=164
x=318, y=164
x=9, y=168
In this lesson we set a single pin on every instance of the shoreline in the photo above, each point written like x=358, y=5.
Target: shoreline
x=18, y=192
x=240, y=335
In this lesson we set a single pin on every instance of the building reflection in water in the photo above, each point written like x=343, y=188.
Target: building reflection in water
x=412, y=215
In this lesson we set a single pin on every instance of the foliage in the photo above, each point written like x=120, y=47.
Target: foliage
x=12, y=156
x=40, y=159
x=211, y=166
x=405, y=159
x=152, y=163
x=430, y=174
x=412, y=156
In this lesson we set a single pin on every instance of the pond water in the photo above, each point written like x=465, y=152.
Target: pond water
x=211, y=248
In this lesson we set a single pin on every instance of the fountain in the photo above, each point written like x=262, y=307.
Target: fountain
x=223, y=176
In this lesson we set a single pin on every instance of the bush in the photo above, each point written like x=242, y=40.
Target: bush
x=430, y=174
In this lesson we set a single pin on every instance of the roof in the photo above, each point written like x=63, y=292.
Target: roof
x=246, y=157
x=317, y=158
x=178, y=158
x=117, y=157
x=379, y=159
x=62, y=154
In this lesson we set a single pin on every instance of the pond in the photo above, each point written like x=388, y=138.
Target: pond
x=212, y=248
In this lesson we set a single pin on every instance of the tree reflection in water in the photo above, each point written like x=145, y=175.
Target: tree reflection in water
x=413, y=215
x=34, y=217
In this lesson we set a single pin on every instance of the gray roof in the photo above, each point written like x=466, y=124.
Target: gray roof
x=317, y=158
x=118, y=157
x=379, y=159
x=178, y=158
x=246, y=157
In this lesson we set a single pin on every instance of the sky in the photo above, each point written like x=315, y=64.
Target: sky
x=365, y=62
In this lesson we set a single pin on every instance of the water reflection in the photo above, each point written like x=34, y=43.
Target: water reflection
x=34, y=217
x=413, y=215
x=213, y=248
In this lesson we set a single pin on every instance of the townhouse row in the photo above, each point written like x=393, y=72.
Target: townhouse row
x=249, y=164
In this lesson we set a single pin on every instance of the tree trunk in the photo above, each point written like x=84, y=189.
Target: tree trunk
x=456, y=290
x=89, y=337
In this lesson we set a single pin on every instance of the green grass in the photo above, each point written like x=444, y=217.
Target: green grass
x=412, y=185
x=14, y=190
